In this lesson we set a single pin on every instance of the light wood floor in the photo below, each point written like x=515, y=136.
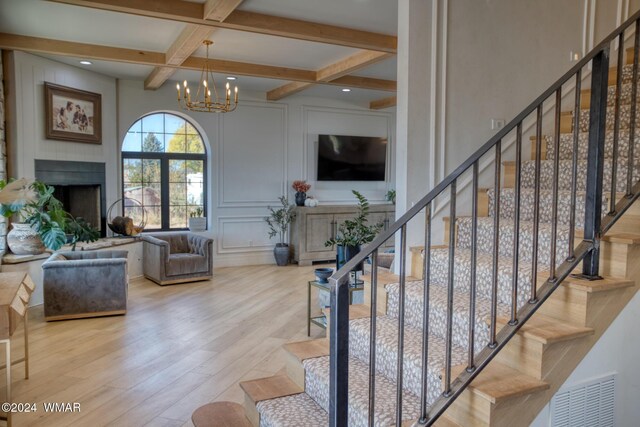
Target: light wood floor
x=177, y=348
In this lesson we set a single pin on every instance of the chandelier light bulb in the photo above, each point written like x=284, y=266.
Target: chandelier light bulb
x=185, y=83
x=204, y=83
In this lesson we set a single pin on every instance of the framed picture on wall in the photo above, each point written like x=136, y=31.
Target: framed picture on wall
x=72, y=114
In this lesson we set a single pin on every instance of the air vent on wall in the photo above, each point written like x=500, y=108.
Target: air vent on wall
x=588, y=404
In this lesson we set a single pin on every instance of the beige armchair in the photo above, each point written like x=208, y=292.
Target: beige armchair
x=172, y=258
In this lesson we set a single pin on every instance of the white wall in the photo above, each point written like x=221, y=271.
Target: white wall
x=28, y=138
x=256, y=152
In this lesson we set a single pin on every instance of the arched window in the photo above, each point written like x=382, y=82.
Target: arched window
x=164, y=168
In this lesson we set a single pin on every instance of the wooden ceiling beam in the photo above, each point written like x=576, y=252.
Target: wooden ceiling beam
x=383, y=103
x=145, y=57
x=189, y=40
x=219, y=10
x=331, y=72
x=185, y=11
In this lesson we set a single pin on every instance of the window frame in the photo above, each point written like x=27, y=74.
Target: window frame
x=164, y=157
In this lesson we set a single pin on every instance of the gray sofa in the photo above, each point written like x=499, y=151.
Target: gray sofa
x=85, y=284
x=180, y=257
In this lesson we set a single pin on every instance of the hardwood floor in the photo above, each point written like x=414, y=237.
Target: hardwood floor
x=177, y=348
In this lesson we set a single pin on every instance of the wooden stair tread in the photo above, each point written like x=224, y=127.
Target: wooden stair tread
x=220, y=414
x=270, y=388
x=309, y=349
x=498, y=382
x=625, y=238
x=606, y=284
x=548, y=330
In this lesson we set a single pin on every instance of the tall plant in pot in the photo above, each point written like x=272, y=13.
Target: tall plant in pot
x=278, y=222
x=353, y=233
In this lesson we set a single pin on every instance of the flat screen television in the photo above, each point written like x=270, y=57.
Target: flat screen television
x=351, y=158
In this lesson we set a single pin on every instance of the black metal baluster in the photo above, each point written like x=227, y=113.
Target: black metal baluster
x=372, y=336
x=426, y=268
x=536, y=205
x=474, y=257
x=516, y=227
x=452, y=245
x=595, y=161
x=632, y=127
x=555, y=185
x=574, y=167
x=401, y=301
x=616, y=125
x=496, y=243
x=339, y=352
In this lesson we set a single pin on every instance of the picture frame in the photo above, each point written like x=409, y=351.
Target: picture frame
x=72, y=114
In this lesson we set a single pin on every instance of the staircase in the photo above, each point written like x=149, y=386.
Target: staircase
x=506, y=322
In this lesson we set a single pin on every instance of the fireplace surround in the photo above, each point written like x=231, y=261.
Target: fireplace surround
x=80, y=186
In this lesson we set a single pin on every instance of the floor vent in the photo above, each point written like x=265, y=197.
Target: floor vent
x=588, y=404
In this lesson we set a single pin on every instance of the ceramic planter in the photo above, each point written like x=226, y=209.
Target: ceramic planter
x=198, y=223
x=281, y=253
x=24, y=240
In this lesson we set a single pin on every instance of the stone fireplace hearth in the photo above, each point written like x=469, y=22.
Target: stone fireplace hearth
x=80, y=186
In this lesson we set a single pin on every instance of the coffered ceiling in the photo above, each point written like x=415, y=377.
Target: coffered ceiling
x=276, y=47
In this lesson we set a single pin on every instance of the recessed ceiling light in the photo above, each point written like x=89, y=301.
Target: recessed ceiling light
x=231, y=78
x=346, y=89
x=85, y=62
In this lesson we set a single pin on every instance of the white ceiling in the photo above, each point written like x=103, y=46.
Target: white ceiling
x=40, y=18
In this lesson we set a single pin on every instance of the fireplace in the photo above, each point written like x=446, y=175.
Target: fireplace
x=80, y=186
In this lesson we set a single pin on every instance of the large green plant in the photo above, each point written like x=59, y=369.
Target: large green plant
x=47, y=217
x=357, y=231
x=279, y=219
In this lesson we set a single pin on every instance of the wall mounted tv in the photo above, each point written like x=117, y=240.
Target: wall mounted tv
x=351, y=158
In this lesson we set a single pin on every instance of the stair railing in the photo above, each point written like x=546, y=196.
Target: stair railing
x=586, y=251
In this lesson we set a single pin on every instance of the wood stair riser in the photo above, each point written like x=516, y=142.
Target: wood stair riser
x=620, y=259
x=251, y=412
x=566, y=359
x=295, y=370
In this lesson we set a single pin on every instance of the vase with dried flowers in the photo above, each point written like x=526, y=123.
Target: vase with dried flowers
x=301, y=188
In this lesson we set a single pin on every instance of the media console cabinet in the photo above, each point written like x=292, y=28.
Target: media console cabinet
x=314, y=226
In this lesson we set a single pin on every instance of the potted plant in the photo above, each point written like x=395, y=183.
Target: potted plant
x=197, y=221
x=353, y=233
x=278, y=222
x=44, y=222
x=301, y=188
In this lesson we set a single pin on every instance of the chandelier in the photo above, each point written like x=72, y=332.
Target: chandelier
x=205, y=100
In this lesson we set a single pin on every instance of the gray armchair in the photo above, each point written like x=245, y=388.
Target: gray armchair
x=180, y=257
x=85, y=284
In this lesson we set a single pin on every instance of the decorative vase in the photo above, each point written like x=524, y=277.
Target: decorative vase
x=281, y=253
x=344, y=255
x=198, y=223
x=300, y=198
x=24, y=240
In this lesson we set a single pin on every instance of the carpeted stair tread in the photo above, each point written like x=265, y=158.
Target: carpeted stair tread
x=292, y=411
x=624, y=117
x=317, y=387
x=527, y=197
x=566, y=145
x=438, y=312
x=387, y=353
x=565, y=173
x=484, y=273
x=485, y=236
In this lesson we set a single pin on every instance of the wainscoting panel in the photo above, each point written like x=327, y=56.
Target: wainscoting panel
x=239, y=234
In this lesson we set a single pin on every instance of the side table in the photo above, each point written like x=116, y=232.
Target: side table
x=321, y=320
